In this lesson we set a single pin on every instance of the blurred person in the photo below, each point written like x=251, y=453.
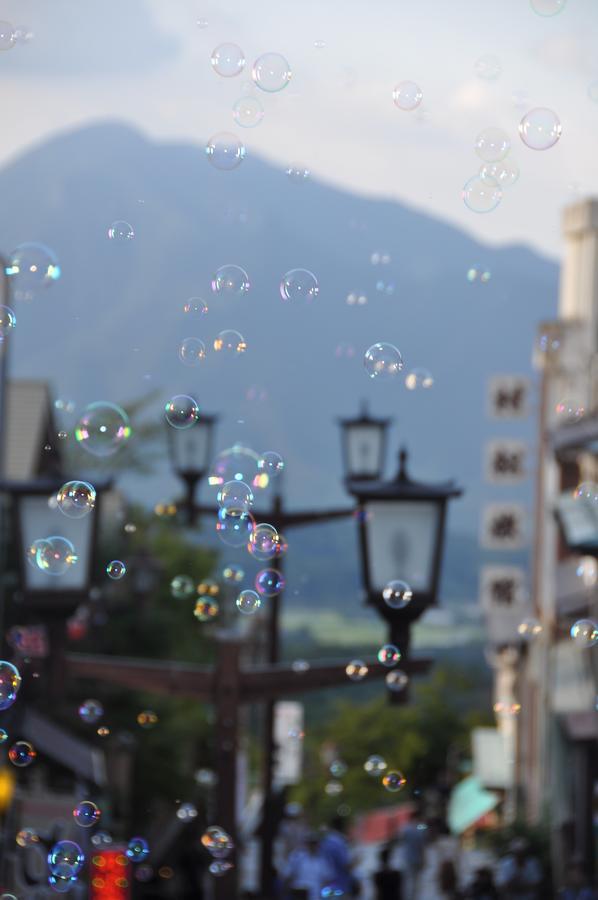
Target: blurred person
x=519, y=875
x=387, y=881
x=334, y=847
x=482, y=887
x=307, y=872
x=448, y=882
x=577, y=883
x=412, y=837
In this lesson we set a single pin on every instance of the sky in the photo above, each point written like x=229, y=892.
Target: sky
x=147, y=63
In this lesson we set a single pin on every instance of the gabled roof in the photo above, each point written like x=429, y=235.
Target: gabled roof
x=29, y=426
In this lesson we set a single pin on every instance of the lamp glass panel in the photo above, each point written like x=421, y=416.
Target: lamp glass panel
x=38, y=520
x=401, y=538
x=364, y=443
x=191, y=447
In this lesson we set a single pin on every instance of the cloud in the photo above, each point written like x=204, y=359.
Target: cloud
x=86, y=39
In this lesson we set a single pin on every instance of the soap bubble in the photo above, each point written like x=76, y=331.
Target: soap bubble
x=492, y=144
x=407, y=95
x=548, y=7
x=91, y=711
x=182, y=587
x=137, y=849
x=389, y=655
x=540, y=129
x=488, y=67
x=76, y=499
x=338, y=768
x=299, y=284
x=60, y=884
x=233, y=574
x=102, y=429
x=182, y=412
x=186, y=812
x=231, y=280
x=86, y=813
x=220, y=867
x=206, y=609
x=271, y=463
x=297, y=174
x=383, y=361
x=396, y=681
x=587, y=570
x=33, y=267
x=394, y=781
x=356, y=670
x=192, y=351
x=587, y=492
x=263, y=541
x=418, y=379
x=7, y=36
x=269, y=582
x=66, y=859
x=225, y=151
x=26, y=837
x=3, y=735
x=236, y=463
x=333, y=789
x=234, y=528
x=230, y=342
x=300, y=666
x=375, y=765
x=8, y=321
x=121, y=231
x=227, y=60
x=271, y=72
x=217, y=842
x=22, y=754
x=504, y=173
x=584, y=633
x=10, y=682
x=570, y=410
x=55, y=555
x=116, y=569
x=147, y=719
x=481, y=195
x=529, y=628
x=195, y=306
x=248, y=602
x=248, y=112
x=235, y=496
x=397, y=594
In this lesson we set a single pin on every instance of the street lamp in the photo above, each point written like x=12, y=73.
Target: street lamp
x=364, y=441
x=190, y=452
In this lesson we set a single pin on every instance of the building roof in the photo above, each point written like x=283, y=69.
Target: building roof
x=29, y=426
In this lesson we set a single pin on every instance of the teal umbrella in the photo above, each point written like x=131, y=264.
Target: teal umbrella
x=469, y=801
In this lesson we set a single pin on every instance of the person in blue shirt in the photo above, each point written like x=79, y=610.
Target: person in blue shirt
x=334, y=847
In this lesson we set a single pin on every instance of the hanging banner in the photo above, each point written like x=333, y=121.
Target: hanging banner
x=505, y=461
x=503, y=526
x=503, y=588
x=508, y=397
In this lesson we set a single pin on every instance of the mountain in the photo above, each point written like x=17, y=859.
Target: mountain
x=110, y=328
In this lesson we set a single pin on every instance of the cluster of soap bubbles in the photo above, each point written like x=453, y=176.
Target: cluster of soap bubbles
x=54, y=555
x=484, y=191
x=220, y=846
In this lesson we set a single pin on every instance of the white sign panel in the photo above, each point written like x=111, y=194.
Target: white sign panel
x=503, y=588
x=503, y=526
x=505, y=461
x=508, y=397
x=288, y=737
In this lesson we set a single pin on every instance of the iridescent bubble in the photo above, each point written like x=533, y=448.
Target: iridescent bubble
x=488, y=67
x=587, y=492
x=397, y=594
x=233, y=574
x=209, y=587
x=587, y=570
x=7, y=36
x=271, y=463
x=26, y=837
x=195, y=306
x=356, y=670
x=263, y=541
x=504, y=173
x=584, y=633
x=338, y=768
x=299, y=284
x=192, y=351
x=32, y=267
x=383, y=361
x=66, y=859
x=235, y=496
x=91, y=711
x=333, y=789
x=56, y=555
x=3, y=735
x=248, y=602
x=548, y=7
x=481, y=195
x=217, y=842
x=182, y=412
x=271, y=72
x=10, y=682
x=220, y=867
x=202, y=23
x=357, y=299
x=248, y=112
x=147, y=719
x=86, y=813
x=234, y=528
x=116, y=569
x=396, y=681
x=103, y=429
x=8, y=321
x=61, y=884
x=231, y=281
x=407, y=95
x=22, y=754
x=182, y=587
x=121, y=231
x=269, y=582
x=418, y=379
x=540, y=129
x=76, y=499
x=570, y=410
x=394, y=781
x=506, y=709
x=300, y=666
x=225, y=151
x=230, y=342
x=137, y=849
x=297, y=174
x=492, y=144
x=186, y=812
x=389, y=655
x=529, y=628
x=375, y=765
x=206, y=609
x=227, y=60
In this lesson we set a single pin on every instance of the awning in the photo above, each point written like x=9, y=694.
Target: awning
x=490, y=758
x=468, y=803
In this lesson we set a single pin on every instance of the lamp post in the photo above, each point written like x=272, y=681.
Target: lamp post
x=190, y=452
x=364, y=440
